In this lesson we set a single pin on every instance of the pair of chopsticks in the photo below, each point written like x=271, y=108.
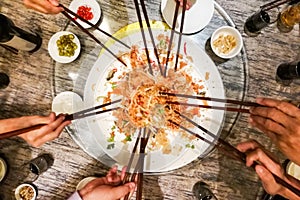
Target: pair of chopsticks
x=273, y=4
x=77, y=115
x=67, y=12
x=229, y=150
x=11, y=49
x=172, y=34
x=136, y=3
x=228, y=101
x=137, y=174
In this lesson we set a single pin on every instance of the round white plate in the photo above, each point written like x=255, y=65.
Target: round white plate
x=155, y=161
x=53, y=50
x=75, y=4
x=196, y=18
x=67, y=103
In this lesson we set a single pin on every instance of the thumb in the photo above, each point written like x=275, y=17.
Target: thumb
x=121, y=191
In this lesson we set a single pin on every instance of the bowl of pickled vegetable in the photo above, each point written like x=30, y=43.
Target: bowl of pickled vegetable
x=64, y=47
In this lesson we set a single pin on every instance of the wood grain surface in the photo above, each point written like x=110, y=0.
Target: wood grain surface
x=35, y=79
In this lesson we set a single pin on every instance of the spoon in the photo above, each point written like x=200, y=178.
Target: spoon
x=202, y=191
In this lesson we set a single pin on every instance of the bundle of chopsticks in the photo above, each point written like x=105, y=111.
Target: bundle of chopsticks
x=219, y=143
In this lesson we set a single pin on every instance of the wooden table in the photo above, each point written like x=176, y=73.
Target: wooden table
x=36, y=79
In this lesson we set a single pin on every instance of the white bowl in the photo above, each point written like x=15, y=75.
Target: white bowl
x=53, y=50
x=196, y=18
x=19, y=188
x=227, y=31
x=67, y=103
x=3, y=168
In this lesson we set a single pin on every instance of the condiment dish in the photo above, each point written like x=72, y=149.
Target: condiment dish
x=25, y=191
x=226, y=42
x=95, y=10
x=54, y=51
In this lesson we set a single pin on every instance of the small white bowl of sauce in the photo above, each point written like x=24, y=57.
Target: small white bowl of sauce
x=226, y=42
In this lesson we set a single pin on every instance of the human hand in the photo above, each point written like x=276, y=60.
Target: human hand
x=268, y=165
x=44, y=6
x=51, y=130
x=280, y=121
x=108, y=187
x=189, y=4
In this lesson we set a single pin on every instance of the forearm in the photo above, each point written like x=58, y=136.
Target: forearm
x=11, y=124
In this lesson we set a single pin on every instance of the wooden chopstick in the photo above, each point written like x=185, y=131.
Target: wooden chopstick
x=231, y=109
x=237, y=102
x=151, y=34
x=127, y=174
x=230, y=150
x=92, y=36
x=95, y=108
x=139, y=167
x=180, y=32
x=273, y=4
x=143, y=34
x=93, y=25
x=68, y=117
x=172, y=36
x=11, y=49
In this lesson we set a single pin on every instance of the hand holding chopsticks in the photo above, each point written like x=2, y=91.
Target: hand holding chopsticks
x=68, y=13
x=264, y=162
x=108, y=187
x=63, y=119
x=230, y=151
x=39, y=129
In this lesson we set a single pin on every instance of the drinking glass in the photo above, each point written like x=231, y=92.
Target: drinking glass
x=256, y=22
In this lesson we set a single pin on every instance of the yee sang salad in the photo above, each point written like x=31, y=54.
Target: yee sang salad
x=142, y=104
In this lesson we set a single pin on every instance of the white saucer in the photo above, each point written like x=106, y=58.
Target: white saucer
x=67, y=103
x=196, y=18
x=75, y=4
x=53, y=50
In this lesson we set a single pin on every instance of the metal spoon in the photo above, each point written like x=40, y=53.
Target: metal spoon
x=202, y=191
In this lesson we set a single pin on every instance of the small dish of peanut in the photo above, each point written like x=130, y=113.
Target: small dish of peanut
x=226, y=42
x=25, y=191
